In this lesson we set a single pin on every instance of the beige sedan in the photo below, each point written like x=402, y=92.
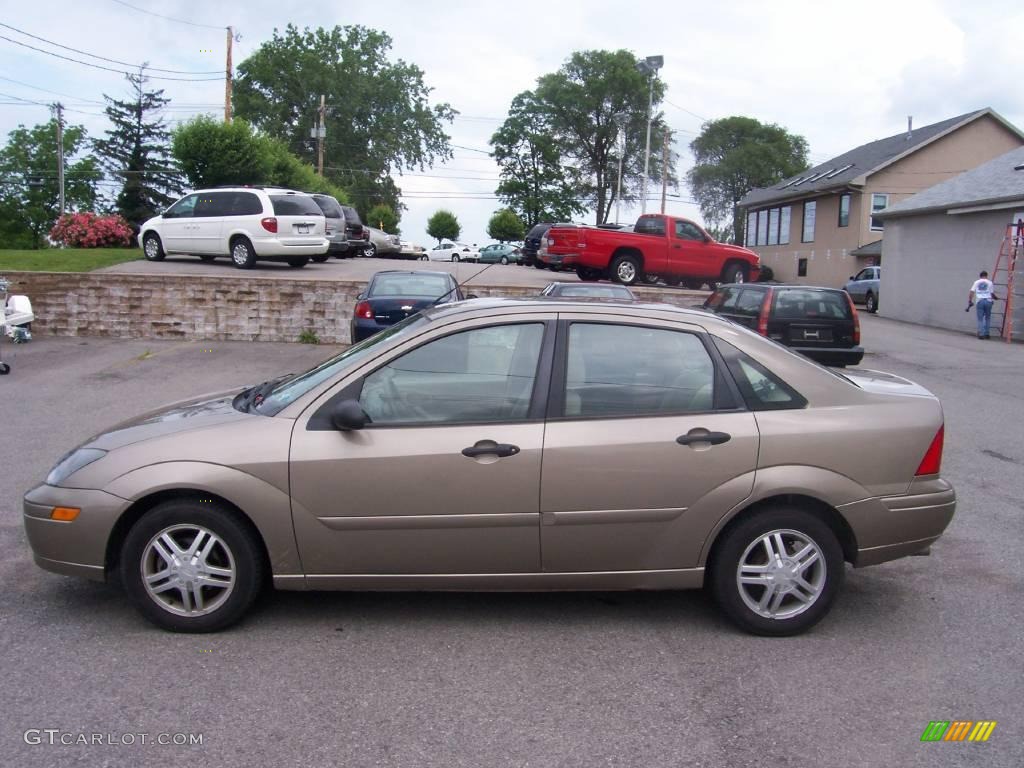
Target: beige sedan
x=512, y=445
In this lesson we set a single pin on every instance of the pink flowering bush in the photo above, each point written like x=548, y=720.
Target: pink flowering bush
x=87, y=230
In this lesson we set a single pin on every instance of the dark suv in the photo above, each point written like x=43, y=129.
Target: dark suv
x=345, y=231
x=820, y=323
x=532, y=244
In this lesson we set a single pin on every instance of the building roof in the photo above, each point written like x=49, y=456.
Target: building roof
x=871, y=249
x=990, y=184
x=845, y=169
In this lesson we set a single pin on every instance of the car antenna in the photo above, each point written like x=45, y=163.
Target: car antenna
x=458, y=285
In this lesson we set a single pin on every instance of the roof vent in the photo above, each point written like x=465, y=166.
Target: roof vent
x=910, y=127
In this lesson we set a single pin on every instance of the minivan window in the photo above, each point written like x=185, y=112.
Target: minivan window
x=211, y=204
x=241, y=204
x=295, y=205
x=330, y=207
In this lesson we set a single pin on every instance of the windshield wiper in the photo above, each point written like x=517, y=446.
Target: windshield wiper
x=253, y=396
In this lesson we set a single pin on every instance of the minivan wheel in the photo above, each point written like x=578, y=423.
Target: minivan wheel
x=870, y=303
x=191, y=567
x=242, y=254
x=626, y=270
x=152, y=247
x=777, y=572
x=298, y=262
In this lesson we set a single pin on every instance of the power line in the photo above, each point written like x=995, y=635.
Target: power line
x=44, y=90
x=104, y=58
x=108, y=69
x=168, y=18
x=683, y=109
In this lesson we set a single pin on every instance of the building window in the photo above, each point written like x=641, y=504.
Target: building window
x=751, y=229
x=784, y=218
x=762, y=227
x=773, y=226
x=801, y=268
x=878, y=203
x=844, y=210
x=810, y=209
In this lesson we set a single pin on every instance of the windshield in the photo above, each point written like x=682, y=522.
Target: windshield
x=413, y=284
x=291, y=389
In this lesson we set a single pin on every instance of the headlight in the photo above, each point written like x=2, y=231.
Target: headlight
x=73, y=462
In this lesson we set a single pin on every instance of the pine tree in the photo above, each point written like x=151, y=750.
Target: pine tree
x=137, y=151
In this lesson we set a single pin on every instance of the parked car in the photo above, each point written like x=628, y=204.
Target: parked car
x=532, y=244
x=409, y=250
x=349, y=236
x=446, y=250
x=392, y=296
x=863, y=287
x=382, y=244
x=336, y=226
x=668, y=247
x=587, y=291
x=678, y=451
x=500, y=253
x=248, y=224
x=820, y=323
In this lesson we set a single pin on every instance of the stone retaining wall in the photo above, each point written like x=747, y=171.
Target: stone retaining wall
x=214, y=308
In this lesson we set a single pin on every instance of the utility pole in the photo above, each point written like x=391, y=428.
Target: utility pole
x=320, y=134
x=227, y=79
x=664, y=168
x=60, y=152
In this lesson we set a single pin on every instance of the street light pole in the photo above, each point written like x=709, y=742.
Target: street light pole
x=649, y=67
x=620, y=122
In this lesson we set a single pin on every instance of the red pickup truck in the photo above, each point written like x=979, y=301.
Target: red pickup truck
x=664, y=246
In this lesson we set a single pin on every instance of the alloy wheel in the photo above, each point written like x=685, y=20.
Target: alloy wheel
x=781, y=574
x=188, y=570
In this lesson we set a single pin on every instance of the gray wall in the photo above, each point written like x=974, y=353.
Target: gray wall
x=930, y=261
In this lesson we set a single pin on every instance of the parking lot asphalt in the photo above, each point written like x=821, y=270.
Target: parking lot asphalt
x=605, y=679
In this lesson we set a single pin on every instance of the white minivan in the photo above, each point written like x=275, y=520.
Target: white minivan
x=246, y=223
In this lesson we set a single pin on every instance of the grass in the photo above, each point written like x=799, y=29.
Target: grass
x=65, y=259
x=309, y=336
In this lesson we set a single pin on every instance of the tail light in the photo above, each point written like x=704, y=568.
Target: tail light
x=364, y=310
x=269, y=224
x=856, y=327
x=366, y=234
x=762, y=318
x=932, y=461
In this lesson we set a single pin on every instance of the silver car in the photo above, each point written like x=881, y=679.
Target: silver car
x=512, y=445
x=864, y=287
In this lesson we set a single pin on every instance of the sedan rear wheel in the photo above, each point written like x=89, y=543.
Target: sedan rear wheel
x=455, y=257
x=424, y=257
x=777, y=572
x=504, y=259
x=191, y=567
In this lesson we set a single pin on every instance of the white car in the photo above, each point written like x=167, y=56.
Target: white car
x=246, y=223
x=446, y=250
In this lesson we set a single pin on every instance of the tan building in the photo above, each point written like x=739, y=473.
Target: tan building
x=819, y=226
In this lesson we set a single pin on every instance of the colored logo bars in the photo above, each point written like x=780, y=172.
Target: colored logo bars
x=958, y=730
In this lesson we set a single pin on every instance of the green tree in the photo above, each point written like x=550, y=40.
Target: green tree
x=582, y=107
x=383, y=217
x=533, y=183
x=443, y=226
x=136, y=151
x=735, y=155
x=506, y=225
x=378, y=118
x=28, y=211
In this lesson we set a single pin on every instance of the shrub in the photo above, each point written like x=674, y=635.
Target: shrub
x=308, y=336
x=87, y=230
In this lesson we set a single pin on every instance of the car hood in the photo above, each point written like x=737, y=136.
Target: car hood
x=194, y=413
x=885, y=383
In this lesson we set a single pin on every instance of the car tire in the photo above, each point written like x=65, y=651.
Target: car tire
x=672, y=282
x=207, y=258
x=242, y=254
x=321, y=259
x=694, y=285
x=4, y=369
x=650, y=279
x=742, y=549
x=370, y=251
x=626, y=270
x=734, y=273
x=588, y=275
x=540, y=265
x=455, y=257
x=871, y=303
x=424, y=258
x=229, y=554
x=298, y=262
x=152, y=248
x=504, y=259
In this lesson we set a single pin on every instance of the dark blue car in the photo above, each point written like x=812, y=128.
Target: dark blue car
x=393, y=295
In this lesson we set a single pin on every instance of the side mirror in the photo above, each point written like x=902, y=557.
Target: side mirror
x=349, y=415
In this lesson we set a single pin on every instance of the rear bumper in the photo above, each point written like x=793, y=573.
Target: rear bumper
x=283, y=248
x=833, y=355
x=890, y=527
x=558, y=259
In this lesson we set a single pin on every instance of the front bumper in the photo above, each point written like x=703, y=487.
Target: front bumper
x=76, y=548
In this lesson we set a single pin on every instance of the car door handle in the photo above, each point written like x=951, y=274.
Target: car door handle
x=490, y=448
x=703, y=436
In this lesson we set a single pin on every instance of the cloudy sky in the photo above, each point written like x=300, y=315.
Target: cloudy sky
x=839, y=73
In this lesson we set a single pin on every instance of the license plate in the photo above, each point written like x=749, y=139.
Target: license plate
x=816, y=334
x=302, y=229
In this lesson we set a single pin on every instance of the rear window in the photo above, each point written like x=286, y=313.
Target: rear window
x=593, y=291
x=351, y=215
x=650, y=225
x=538, y=232
x=798, y=304
x=330, y=207
x=295, y=205
x=427, y=286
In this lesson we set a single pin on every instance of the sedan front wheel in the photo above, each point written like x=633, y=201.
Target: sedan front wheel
x=191, y=566
x=777, y=572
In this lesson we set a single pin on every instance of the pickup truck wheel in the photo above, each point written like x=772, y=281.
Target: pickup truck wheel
x=734, y=273
x=626, y=270
x=588, y=275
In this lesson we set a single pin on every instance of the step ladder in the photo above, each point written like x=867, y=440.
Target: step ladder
x=1003, y=277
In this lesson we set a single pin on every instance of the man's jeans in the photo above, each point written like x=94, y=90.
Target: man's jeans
x=984, y=309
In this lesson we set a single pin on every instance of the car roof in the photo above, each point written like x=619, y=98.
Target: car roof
x=782, y=285
x=541, y=303
x=410, y=272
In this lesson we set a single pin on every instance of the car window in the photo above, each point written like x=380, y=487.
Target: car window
x=762, y=390
x=749, y=302
x=623, y=370
x=593, y=291
x=330, y=207
x=864, y=274
x=687, y=231
x=184, y=208
x=295, y=205
x=480, y=375
x=798, y=304
x=650, y=225
x=208, y=204
x=240, y=204
x=412, y=284
x=722, y=298
x=351, y=215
